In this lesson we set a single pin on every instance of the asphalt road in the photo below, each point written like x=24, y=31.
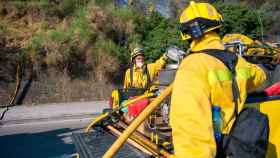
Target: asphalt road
x=35, y=133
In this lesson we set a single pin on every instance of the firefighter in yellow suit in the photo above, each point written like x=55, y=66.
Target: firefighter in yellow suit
x=203, y=81
x=140, y=74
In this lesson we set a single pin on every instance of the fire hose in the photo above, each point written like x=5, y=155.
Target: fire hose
x=19, y=93
x=138, y=120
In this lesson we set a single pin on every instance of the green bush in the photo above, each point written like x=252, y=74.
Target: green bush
x=3, y=29
x=104, y=3
x=113, y=49
x=157, y=34
x=124, y=13
x=60, y=36
x=62, y=8
x=242, y=19
x=68, y=7
x=36, y=42
x=81, y=24
x=18, y=4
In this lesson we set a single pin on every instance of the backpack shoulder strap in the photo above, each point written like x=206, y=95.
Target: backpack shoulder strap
x=148, y=76
x=230, y=60
x=131, y=74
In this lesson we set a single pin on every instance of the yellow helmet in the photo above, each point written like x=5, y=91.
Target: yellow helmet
x=198, y=19
x=136, y=51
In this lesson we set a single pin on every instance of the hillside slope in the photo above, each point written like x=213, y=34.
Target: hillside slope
x=80, y=49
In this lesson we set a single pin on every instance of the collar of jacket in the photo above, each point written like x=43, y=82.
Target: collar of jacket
x=210, y=40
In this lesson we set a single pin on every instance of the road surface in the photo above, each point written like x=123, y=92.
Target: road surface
x=44, y=131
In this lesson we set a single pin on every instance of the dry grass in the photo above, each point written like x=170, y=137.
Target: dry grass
x=60, y=88
x=6, y=91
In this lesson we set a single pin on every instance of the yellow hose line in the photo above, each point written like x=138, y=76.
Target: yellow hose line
x=18, y=81
x=103, y=116
x=150, y=145
x=143, y=140
x=134, y=141
x=138, y=98
x=145, y=145
x=78, y=156
x=96, y=120
x=138, y=120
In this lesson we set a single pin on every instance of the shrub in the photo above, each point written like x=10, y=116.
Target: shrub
x=241, y=19
x=3, y=29
x=124, y=13
x=60, y=36
x=157, y=34
x=62, y=8
x=104, y=3
x=80, y=24
x=36, y=41
x=109, y=47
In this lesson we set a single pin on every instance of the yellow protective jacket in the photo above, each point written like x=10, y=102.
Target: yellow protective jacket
x=201, y=82
x=140, y=78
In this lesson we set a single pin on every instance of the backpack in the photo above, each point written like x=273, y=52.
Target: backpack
x=249, y=134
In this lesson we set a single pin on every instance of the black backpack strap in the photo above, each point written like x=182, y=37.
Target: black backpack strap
x=146, y=71
x=230, y=60
x=131, y=74
x=248, y=143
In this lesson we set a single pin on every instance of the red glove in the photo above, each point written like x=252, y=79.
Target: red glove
x=273, y=90
x=136, y=108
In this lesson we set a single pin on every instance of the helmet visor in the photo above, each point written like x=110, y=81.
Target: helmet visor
x=197, y=27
